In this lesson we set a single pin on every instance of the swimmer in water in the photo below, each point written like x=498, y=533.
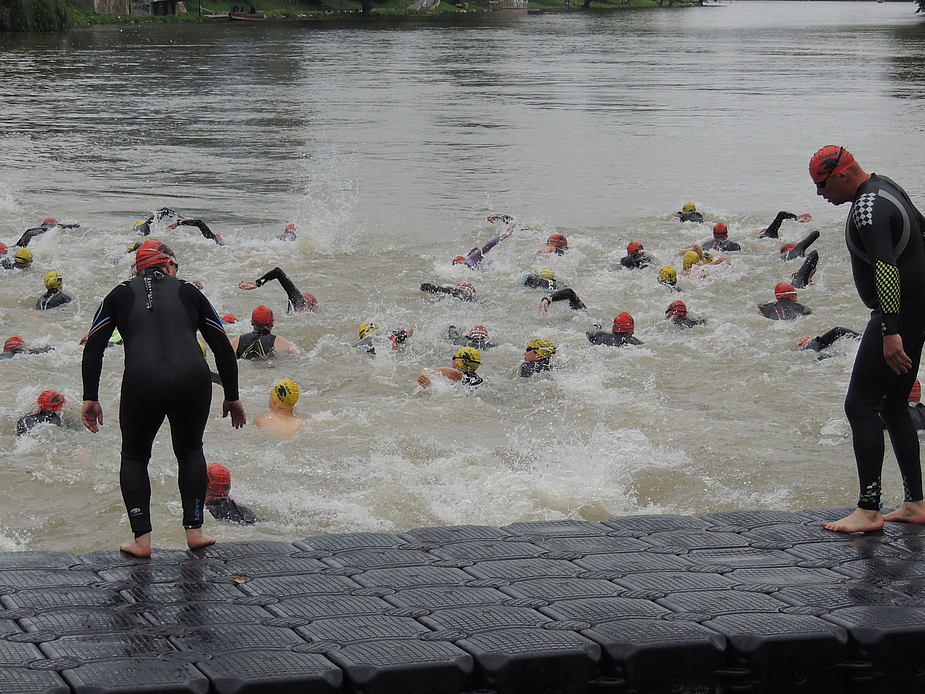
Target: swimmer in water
x=636, y=257
x=545, y=279
x=463, y=292
x=694, y=261
x=219, y=501
x=261, y=343
x=668, y=277
x=298, y=301
x=473, y=259
x=53, y=296
x=15, y=345
x=280, y=421
x=207, y=233
x=784, y=306
x=49, y=224
x=21, y=260
x=477, y=337
x=789, y=251
x=566, y=294
x=48, y=411
x=537, y=355
x=678, y=315
x=289, y=233
x=465, y=362
x=826, y=340
x=772, y=231
x=720, y=241
x=689, y=213
x=621, y=335
x=556, y=243
x=369, y=340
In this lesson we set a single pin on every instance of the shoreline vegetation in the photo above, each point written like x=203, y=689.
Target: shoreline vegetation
x=60, y=15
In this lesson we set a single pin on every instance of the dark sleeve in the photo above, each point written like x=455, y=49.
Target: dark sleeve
x=296, y=300
x=98, y=339
x=213, y=331
x=199, y=224
x=873, y=216
x=29, y=235
x=778, y=220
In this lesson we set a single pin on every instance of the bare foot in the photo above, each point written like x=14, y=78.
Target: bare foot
x=909, y=512
x=196, y=539
x=139, y=547
x=859, y=521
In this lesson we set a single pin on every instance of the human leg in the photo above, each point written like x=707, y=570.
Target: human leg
x=139, y=420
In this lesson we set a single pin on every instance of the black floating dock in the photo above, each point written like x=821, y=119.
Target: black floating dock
x=751, y=601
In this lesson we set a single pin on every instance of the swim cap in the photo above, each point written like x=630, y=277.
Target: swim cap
x=828, y=161
x=689, y=207
x=804, y=340
x=677, y=309
x=366, y=329
x=262, y=315
x=719, y=229
x=310, y=302
x=478, y=332
x=132, y=247
x=229, y=318
x=690, y=258
x=623, y=323
x=14, y=343
x=53, y=280
x=290, y=228
x=785, y=290
x=459, y=259
x=22, y=258
x=469, y=358
x=286, y=393
x=668, y=275
x=633, y=247
x=50, y=220
x=787, y=247
x=50, y=400
x=557, y=240
x=916, y=393
x=3, y=249
x=545, y=348
x=219, y=482
x=466, y=287
x=153, y=252
x=547, y=273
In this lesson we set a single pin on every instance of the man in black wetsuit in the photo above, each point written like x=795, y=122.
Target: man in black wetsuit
x=298, y=301
x=47, y=225
x=165, y=376
x=53, y=296
x=219, y=501
x=785, y=305
x=16, y=345
x=689, y=213
x=463, y=292
x=620, y=335
x=884, y=234
x=21, y=260
x=826, y=340
x=678, y=315
x=720, y=240
x=636, y=257
x=49, y=405
x=477, y=337
x=261, y=343
x=536, y=357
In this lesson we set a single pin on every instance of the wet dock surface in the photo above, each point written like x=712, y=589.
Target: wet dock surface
x=750, y=601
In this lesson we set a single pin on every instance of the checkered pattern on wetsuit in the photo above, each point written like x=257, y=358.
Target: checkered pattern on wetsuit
x=863, y=210
x=887, y=278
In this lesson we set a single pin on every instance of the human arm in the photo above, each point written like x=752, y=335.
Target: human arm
x=283, y=346
x=236, y=410
x=199, y=224
x=424, y=378
x=894, y=354
x=213, y=331
x=92, y=415
x=104, y=322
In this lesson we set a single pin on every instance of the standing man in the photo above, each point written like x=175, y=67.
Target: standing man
x=165, y=376
x=884, y=236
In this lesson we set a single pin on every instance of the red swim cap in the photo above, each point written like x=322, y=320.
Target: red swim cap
x=290, y=228
x=50, y=400
x=459, y=259
x=262, y=315
x=677, y=308
x=478, y=332
x=829, y=161
x=50, y=220
x=787, y=247
x=804, y=340
x=785, y=290
x=310, y=302
x=14, y=342
x=152, y=252
x=3, y=249
x=219, y=482
x=623, y=323
x=633, y=247
x=557, y=240
x=466, y=287
x=916, y=393
x=229, y=318
x=719, y=229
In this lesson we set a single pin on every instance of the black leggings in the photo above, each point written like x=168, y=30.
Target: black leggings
x=875, y=393
x=184, y=398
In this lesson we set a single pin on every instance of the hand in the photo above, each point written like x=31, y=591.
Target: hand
x=895, y=355
x=236, y=410
x=423, y=380
x=92, y=415
x=247, y=284
x=173, y=225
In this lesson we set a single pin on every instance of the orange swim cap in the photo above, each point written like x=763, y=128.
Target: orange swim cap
x=785, y=290
x=51, y=400
x=719, y=229
x=623, y=323
x=219, y=482
x=829, y=161
x=152, y=252
x=633, y=247
x=262, y=315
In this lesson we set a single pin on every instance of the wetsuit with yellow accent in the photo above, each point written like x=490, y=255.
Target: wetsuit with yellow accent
x=884, y=234
x=165, y=376
x=258, y=344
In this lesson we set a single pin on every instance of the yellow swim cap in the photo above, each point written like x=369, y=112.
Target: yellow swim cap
x=286, y=393
x=668, y=274
x=53, y=280
x=691, y=258
x=547, y=273
x=366, y=329
x=22, y=257
x=469, y=358
x=545, y=348
x=689, y=207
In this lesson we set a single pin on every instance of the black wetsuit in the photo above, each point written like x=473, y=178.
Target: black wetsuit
x=7, y=263
x=783, y=309
x=203, y=227
x=53, y=298
x=258, y=344
x=231, y=511
x=26, y=423
x=884, y=236
x=528, y=368
x=569, y=295
x=800, y=249
x=612, y=339
x=539, y=282
x=38, y=231
x=772, y=231
x=634, y=261
x=722, y=245
x=804, y=276
x=464, y=341
x=10, y=353
x=917, y=412
x=297, y=301
x=470, y=378
x=686, y=322
x=461, y=294
x=689, y=216
x=827, y=339
x=165, y=375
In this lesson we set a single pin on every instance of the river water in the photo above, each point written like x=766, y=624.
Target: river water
x=388, y=143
